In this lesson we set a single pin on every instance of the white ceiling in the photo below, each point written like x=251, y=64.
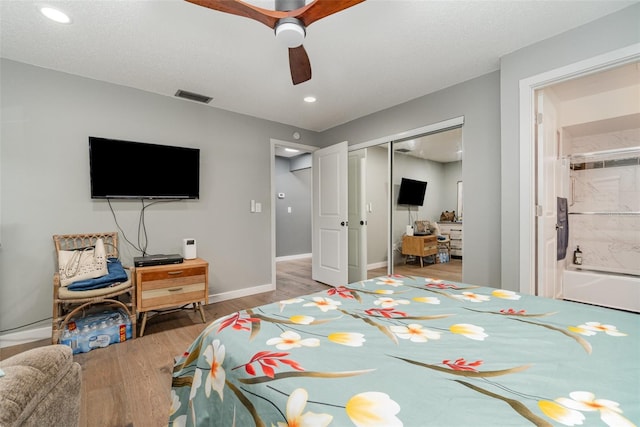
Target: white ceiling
x=367, y=58
x=443, y=147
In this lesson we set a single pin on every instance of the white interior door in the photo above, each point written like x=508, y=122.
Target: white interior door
x=357, y=240
x=330, y=215
x=547, y=158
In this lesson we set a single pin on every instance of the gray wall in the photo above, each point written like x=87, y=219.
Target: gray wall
x=478, y=101
x=612, y=32
x=293, y=230
x=46, y=119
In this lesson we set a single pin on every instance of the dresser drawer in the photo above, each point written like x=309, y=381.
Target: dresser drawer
x=162, y=277
x=169, y=287
x=172, y=295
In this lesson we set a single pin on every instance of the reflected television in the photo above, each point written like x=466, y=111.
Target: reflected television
x=412, y=192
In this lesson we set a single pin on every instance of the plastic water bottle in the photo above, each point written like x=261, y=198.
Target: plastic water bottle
x=74, y=339
x=66, y=337
x=83, y=335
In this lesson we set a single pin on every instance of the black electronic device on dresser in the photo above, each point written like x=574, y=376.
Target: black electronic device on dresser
x=149, y=260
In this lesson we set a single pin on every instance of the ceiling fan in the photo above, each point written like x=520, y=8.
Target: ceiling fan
x=289, y=22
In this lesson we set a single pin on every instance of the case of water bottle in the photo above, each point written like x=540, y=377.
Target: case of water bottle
x=97, y=330
x=442, y=256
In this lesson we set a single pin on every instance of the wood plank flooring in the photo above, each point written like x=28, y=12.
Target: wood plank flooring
x=129, y=384
x=451, y=270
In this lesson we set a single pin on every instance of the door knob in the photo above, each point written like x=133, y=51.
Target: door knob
x=361, y=222
x=343, y=223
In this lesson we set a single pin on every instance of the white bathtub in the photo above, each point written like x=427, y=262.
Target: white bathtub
x=609, y=290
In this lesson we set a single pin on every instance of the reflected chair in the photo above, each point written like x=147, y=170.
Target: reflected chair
x=67, y=303
x=444, y=240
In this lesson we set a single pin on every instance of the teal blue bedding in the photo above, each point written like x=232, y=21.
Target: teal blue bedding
x=412, y=351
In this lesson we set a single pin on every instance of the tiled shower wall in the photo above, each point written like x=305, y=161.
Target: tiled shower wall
x=604, y=211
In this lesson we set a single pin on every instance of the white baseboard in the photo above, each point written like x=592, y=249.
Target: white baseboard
x=375, y=265
x=24, y=337
x=292, y=257
x=224, y=296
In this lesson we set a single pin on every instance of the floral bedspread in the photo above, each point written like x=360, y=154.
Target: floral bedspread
x=412, y=351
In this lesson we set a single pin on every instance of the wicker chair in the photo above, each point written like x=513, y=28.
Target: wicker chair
x=66, y=303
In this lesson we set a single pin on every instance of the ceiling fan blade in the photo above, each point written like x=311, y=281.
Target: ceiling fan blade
x=237, y=7
x=322, y=8
x=299, y=65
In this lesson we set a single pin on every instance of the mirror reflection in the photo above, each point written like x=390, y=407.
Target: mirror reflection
x=427, y=225
x=432, y=161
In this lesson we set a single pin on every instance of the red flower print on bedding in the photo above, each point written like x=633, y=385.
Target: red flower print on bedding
x=388, y=312
x=462, y=365
x=512, y=312
x=268, y=360
x=341, y=291
x=237, y=322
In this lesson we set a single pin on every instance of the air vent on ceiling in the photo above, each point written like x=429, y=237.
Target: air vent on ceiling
x=193, y=96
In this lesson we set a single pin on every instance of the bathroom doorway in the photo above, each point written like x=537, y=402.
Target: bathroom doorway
x=587, y=161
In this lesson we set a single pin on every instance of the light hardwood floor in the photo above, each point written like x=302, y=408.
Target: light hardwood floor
x=129, y=384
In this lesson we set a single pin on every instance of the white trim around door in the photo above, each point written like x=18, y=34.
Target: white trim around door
x=279, y=143
x=527, y=146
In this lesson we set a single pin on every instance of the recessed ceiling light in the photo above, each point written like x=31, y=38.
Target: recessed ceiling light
x=55, y=15
x=309, y=99
x=291, y=150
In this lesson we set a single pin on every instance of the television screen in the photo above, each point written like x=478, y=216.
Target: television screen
x=136, y=170
x=411, y=192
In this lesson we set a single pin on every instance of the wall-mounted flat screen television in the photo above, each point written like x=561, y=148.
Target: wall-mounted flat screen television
x=411, y=192
x=136, y=170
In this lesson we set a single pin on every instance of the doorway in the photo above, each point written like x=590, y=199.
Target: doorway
x=291, y=206
x=536, y=265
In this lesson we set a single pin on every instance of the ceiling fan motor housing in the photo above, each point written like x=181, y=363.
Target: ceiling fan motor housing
x=290, y=32
x=287, y=5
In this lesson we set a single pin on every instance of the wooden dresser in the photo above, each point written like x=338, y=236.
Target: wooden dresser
x=454, y=231
x=419, y=246
x=166, y=288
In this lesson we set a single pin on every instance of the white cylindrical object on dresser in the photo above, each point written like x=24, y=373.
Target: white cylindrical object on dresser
x=189, y=248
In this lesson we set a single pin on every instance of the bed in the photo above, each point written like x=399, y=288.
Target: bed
x=412, y=351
